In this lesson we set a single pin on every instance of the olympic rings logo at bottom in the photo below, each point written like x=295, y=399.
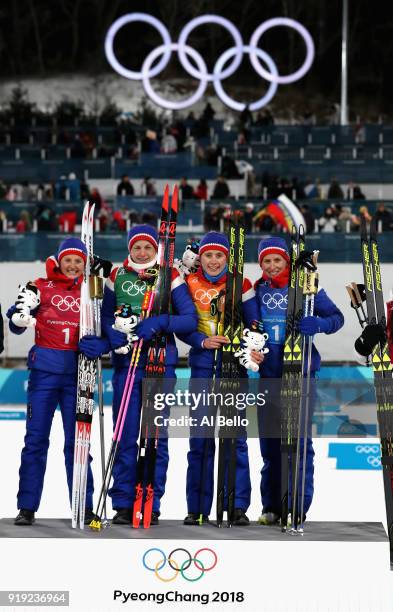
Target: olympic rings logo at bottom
x=180, y=563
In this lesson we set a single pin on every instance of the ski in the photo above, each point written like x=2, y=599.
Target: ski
x=230, y=369
x=87, y=370
x=155, y=367
x=382, y=367
x=291, y=377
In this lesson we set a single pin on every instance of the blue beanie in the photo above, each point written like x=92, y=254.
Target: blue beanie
x=214, y=241
x=142, y=232
x=268, y=246
x=72, y=246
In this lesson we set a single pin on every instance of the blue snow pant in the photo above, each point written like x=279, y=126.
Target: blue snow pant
x=271, y=455
x=205, y=447
x=122, y=491
x=45, y=392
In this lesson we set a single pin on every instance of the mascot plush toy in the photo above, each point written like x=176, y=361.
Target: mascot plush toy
x=253, y=340
x=28, y=300
x=189, y=263
x=125, y=321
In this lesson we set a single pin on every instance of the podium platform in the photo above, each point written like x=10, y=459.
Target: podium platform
x=314, y=531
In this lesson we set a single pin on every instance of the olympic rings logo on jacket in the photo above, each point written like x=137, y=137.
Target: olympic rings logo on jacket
x=179, y=566
x=132, y=289
x=275, y=300
x=222, y=70
x=205, y=296
x=66, y=303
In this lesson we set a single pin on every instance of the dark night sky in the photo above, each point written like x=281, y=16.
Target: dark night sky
x=45, y=37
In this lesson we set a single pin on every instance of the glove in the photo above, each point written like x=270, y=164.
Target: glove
x=93, y=346
x=309, y=326
x=305, y=260
x=101, y=264
x=147, y=328
x=370, y=336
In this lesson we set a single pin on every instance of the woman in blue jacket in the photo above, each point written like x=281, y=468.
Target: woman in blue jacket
x=271, y=293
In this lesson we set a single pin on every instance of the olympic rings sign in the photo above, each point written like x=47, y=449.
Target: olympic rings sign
x=179, y=566
x=221, y=70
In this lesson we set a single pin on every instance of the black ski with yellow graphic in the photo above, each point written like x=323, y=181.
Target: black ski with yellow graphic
x=230, y=370
x=380, y=361
x=292, y=375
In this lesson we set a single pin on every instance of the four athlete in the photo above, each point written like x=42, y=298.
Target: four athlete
x=51, y=306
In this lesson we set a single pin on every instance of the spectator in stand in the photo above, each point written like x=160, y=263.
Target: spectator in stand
x=335, y=192
x=211, y=220
x=97, y=199
x=229, y=168
x=12, y=194
x=27, y=194
x=85, y=191
x=67, y=221
x=346, y=221
x=248, y=217
x=61, y=188
x=148, y=187
x=298, y=189
x=150, y=143
x=308, y=218
x=23, y=224
x=311, y=188
x=221, y=189
x=358, y=193
x=125, y=187
x=383, y=217
x=169, y=143
x=73, y=185
x=119, y=220
x=201, y=190
x=46, y=219
x=78, y=149
x=208, y=112
x=104, y=218
x=186, y=190
x=363, y=212
x=328, y=222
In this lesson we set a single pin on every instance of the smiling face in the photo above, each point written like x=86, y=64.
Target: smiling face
x=273, y=264
x=213, y=262
x=142, y=251
x=72, y=266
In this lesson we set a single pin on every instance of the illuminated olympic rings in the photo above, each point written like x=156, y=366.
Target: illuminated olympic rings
x=225, y=66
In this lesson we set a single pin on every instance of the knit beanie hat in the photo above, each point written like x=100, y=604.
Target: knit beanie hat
x=142, y=232
x=270, y=246
x=72, y=246
x=214, y=241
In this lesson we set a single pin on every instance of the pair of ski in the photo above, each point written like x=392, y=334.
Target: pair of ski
x=156, y=301
x=230, y=372
x=88, y=371
x=295, y=397
x=380, y=359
